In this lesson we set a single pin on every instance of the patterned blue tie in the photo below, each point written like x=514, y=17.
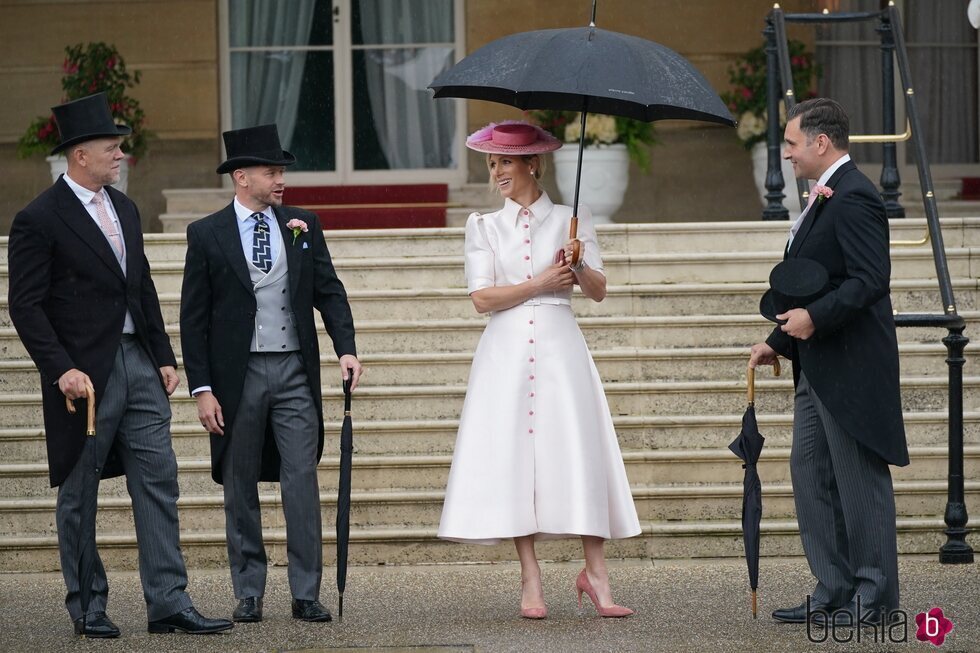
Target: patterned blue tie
x=261, y=245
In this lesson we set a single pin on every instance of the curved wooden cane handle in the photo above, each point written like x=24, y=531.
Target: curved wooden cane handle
x=750, y=378
x=90, y=419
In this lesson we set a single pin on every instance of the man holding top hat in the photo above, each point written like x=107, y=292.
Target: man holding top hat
x=255, y=272
x=83, y=303
x=830, y=299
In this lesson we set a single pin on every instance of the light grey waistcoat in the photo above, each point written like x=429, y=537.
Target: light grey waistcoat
x=275, y=325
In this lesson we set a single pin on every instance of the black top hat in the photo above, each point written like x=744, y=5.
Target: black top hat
x=85, y=119
x=794, y=283
x=254, y=146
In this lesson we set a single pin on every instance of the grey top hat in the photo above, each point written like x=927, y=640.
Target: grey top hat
x=793, y=283
x=85, y=119
x=254, y=146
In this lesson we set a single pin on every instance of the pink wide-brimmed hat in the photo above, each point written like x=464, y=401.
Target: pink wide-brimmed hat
x=512, y=137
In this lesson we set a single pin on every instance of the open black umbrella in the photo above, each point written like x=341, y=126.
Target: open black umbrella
x=90, y=503
x=343, y=495
x=585, y=69
x=748, y=446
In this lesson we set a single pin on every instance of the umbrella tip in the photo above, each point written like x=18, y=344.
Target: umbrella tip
x=340, y=607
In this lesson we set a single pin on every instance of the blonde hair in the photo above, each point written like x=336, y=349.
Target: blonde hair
x=537, y=174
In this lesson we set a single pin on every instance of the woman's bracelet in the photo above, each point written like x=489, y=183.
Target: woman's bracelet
x=578, y=267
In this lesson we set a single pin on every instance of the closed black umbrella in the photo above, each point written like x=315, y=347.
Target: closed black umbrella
x=90, y=502
x=748, y=446
x=343, y=495
x=585, y=69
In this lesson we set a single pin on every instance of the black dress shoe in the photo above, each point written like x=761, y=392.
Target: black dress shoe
x=856, y=615
x=310, y=611
x=249, y=610
x=189, y=621
x=797, y=615
x=96, y=625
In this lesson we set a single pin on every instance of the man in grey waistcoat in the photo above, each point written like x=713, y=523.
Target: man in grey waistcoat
x=254, y=273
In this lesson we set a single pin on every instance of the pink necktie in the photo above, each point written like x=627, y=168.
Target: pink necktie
x=106, y=223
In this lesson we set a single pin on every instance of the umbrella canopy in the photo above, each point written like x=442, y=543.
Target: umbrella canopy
x=343, y=495
x=585, y=69
x=748, y=446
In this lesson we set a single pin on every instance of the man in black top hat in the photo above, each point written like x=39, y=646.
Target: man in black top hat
x=83, y=302
x=255, y=272
x=847, y=426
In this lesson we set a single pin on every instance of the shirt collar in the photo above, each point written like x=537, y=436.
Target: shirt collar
x=244, y=213
x=540, y=209
x=83, y=194
x=828, y=173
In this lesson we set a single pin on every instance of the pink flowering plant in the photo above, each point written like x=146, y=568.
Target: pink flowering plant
x=92, y=68
x=298, y=227
x=747, y=98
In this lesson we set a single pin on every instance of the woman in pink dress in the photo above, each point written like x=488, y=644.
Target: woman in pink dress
x=536, y=456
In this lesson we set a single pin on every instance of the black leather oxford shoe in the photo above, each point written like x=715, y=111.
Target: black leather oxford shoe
x=310, y=611
x=97, y=625
x=189, y=621
x=797, y=615
x=249, y=610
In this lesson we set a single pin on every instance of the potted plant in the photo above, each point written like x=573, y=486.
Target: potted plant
x=92, y=68
x=610, y=143
x=747, y=100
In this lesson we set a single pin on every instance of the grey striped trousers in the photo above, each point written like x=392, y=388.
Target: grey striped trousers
x=845, y=506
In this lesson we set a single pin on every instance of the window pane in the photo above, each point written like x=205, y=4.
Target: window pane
x=377, y=22
x=397, y=124
x=259, y=23
x=294, y=90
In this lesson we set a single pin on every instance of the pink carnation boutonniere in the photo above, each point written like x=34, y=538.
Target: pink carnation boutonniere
x=298, y=227
x=823, y=193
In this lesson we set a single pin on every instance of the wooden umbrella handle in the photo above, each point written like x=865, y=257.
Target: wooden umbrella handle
x=776, y=370
x=90, y=419
x=576, y=243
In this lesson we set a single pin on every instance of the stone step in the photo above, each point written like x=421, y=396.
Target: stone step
x=423, y=508
x=639, y=238
x=908, y=296
x=725, y=267
x=437, y=437
x=385, y=402
x=601, y=333
x=658, y=540
x=633, y=365
x=661, y=467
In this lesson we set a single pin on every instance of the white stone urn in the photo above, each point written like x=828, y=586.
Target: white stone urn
x=59, y=166
x=760, y=163
x=605, y=175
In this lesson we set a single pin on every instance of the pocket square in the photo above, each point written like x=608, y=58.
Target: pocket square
x=306, y=245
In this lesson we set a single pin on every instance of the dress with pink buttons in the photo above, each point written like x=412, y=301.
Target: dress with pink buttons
x=536, y=452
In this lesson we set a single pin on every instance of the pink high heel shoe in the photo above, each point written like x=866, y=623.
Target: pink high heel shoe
x=533, y=613
x=582, y=584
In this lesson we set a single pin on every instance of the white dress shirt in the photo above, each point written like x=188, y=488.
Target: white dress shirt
x=824, y=178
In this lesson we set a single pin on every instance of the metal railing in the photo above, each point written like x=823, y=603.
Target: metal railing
x=780, y=88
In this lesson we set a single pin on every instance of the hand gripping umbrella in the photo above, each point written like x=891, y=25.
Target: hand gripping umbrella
x=748, y=446
x=343, y=495
x=585, y=69
x=90, y=502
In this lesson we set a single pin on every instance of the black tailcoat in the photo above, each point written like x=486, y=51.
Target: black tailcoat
x=217, y=315
x=851, y=361
x=68, y=298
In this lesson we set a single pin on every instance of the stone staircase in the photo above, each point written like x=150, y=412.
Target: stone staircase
x=670, y=341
